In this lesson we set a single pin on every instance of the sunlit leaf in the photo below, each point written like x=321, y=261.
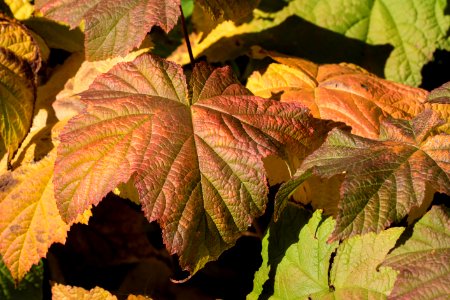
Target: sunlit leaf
x=17, y=39
x=297, y=259
x=21, y=9
x=384, y=179
x=17, y=98
x=30, y=220
x=342, y=92
x=423, y=259
x=113, y=27
x=66, y=292
x=196, y=160
x=439, y=99
x=30, y=288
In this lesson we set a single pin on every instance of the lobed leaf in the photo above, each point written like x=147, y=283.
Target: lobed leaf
x=113, y=28
x=341, y=92
x=384, y=179
x=30, y=220
x=299, y=268
x=195, y=157
x=423, y=259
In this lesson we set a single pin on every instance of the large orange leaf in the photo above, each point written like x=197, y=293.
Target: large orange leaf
x=194, y=150
x=340, y=92
x=384, y=180
x=113, y=27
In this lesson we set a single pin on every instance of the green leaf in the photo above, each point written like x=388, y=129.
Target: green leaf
x=30, y=288
x=384, y=180
x=195, y=157
x=113, y=28
x=423, y=259
x=416, y=28
x=17, y=95
x=298, y=269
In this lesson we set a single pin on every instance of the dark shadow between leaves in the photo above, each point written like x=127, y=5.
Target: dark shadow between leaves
x=293, y=218
x=298, y=37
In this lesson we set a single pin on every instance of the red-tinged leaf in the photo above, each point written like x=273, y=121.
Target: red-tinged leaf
x=196, y=160
x=113, y=27
x=384, y=180
x=340, y=92
x=423, y=259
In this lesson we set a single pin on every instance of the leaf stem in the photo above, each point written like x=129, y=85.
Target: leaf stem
x=186, y=37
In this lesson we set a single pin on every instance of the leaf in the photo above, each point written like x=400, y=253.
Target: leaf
x=18, y=39
x=384, y=179
x=341, y=92
x=30, y=220
x=300, y=268
x=380, y=22
x=66, y=292
x=196, y=160
x=423, y=259
x=21, y=9
x=56, y=35
x=30, y=288
x=439, y=99
x=113, y=28
x=234, y=10
x=17, y=98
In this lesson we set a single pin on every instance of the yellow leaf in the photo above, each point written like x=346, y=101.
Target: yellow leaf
x=21, y=9
x=29, y=219
x=66, y=292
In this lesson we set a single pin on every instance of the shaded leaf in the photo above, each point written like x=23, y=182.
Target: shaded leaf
x=66, y=292
x=57, y=35
x=379, y=22
x=30, y=220
x=423, y=259
x=299, y=268
x=196, y=160
x=234, y=10
x=30, y=288
x=384, y=179
x=342, y=92
x=113, y=28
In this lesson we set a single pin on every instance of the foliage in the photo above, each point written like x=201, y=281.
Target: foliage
x=360, y=158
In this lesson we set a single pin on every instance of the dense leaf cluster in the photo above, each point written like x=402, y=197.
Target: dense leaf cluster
x=355, y=159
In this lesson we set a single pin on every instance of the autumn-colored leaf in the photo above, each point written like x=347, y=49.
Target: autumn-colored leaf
x=18, y=39
x=439, y=100
x=196, y=157
x=30, y=288
x=423, y=259
x=66, y=292
x=341, y=92
x=30, y=220
x=21, y=9
x=384, y=179
x=113, y=28
x=303, y=267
